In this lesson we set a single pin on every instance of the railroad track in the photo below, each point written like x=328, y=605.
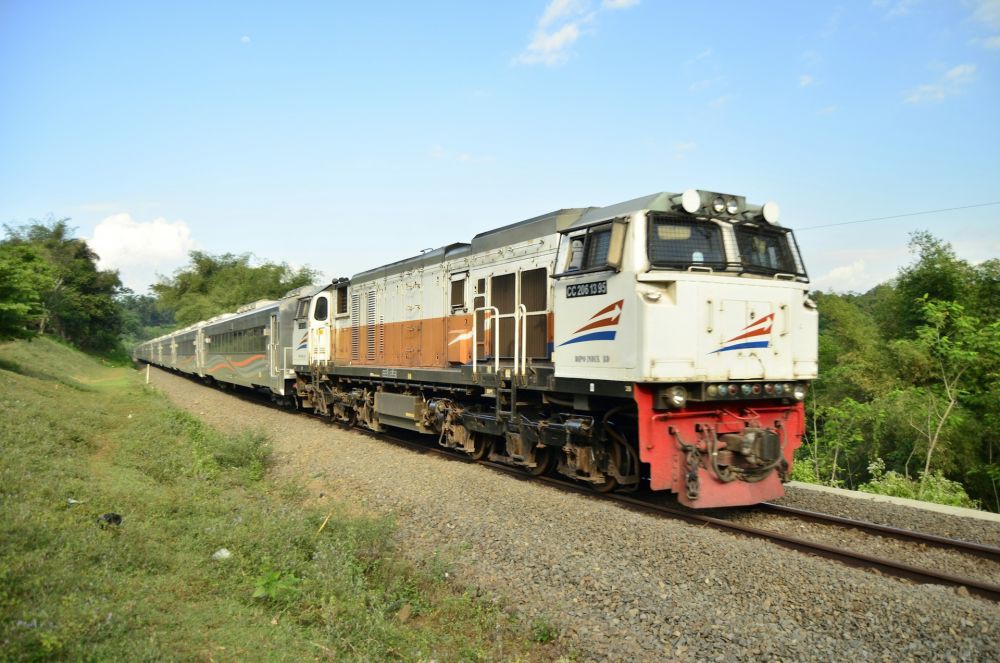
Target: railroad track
x=851, y=558
x=860, y=560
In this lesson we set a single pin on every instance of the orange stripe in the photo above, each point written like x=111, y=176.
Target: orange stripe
x=231, y=364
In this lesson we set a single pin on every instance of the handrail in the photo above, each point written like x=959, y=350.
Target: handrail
x=521, y=313
x=475, y=339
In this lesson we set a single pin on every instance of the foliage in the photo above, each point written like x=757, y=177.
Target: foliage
x=142, y=318
x=150, y=589
x=543, y=631
x=24, y=277
x=910, y=375
x=928, y=488
x=76, y=301
x=275, y=586
x=215, y=284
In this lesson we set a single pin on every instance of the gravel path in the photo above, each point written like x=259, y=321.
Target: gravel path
x=617, y=585
x=929, y=522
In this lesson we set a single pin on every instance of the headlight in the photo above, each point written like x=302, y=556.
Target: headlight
x=771, y=212
x=732, y=206
x=799, y=392
x=691, y=201
x=745, y=389
x=718, y=204
x=677, y=397
x=712, y=391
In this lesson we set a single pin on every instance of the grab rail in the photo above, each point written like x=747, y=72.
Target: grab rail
x=487, y=324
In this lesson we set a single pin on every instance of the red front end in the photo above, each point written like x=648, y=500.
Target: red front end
x=719, y=454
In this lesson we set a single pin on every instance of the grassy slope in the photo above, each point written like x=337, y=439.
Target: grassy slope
x=72, y=427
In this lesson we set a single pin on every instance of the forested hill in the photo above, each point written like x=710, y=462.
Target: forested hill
x=50, y=284
x=907, y=401
x=908, y=396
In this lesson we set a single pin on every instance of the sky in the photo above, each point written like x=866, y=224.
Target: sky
x=343, y=136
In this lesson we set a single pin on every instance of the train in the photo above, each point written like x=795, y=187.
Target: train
x=666, y=343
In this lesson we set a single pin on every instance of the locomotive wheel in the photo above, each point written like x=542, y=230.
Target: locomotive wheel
x=481, y=446
x=543, y=461
x=607, y=486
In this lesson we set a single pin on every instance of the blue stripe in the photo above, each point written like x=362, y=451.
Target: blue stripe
x=743, y=346
x=593, y=336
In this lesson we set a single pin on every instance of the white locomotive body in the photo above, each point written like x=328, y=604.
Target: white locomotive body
x=668, y=338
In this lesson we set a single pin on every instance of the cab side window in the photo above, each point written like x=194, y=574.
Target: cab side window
x=322, y=308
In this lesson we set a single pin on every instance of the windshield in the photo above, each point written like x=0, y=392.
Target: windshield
x=683, y=243
x=765, y=250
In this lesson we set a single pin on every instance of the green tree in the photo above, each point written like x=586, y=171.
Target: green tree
x=24, y=277
x=215, y=284
x=142, y=317
x=941, y=361
x=78, y=304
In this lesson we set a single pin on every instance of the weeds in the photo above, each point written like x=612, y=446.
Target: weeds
x=150, y=588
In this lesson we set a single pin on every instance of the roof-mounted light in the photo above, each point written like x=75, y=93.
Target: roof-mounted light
x=771, y=212
x=718, y=204
x=732, y=206
x=689, y=201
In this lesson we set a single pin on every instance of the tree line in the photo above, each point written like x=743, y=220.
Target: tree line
x=907, y=401
x=50, y=284
x=908, y=397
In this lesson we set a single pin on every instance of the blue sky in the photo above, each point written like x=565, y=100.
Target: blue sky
x=347, y=135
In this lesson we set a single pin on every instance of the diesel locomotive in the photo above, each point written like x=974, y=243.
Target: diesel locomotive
x=667, y=339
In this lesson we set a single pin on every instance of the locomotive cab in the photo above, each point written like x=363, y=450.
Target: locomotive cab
x=699, y=300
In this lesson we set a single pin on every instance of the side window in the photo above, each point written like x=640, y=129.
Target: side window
x=322, y=309
x=598, y=243
x=590, y=250
x=342, y=300
x=302, y=310
x=458, y=294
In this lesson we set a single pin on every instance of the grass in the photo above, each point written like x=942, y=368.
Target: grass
x=80, y=437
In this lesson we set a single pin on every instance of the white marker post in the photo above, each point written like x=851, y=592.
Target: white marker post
x=147, y=373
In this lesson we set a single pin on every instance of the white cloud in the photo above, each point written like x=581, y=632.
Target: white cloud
x=559, y=9
x=844, y=278
x=550, y=48
x=140, y=250
x=560, y=26
x=953, y=82
x=805, y=80
x=719, y=102
x=827, y=110
x=991, y=43
x=896, y=8
x=245, y=39
x=987, y=12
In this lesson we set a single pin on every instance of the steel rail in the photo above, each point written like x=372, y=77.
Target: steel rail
x=855, y=559
x=978, y=549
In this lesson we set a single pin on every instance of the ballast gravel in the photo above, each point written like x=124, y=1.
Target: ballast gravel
x=616, y=584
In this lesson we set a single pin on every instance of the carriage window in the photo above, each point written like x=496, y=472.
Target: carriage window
x=682, y=243
x=302, y=311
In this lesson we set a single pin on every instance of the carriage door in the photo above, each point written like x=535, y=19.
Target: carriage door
x=273, y=347
x=300, y=333
x=319, y=328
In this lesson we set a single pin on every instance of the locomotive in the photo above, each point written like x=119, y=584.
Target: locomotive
x=666, y=340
